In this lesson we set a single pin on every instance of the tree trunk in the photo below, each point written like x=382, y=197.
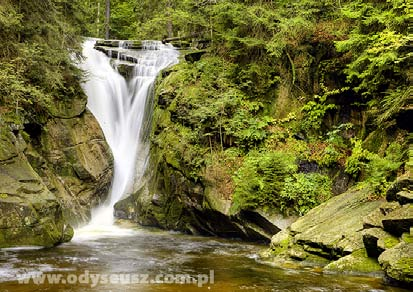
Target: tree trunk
x=98, y=21
x=169, y=25
x=107, y=20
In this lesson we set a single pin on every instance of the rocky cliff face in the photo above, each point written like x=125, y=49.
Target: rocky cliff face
x=51, y=175
x=171, y=201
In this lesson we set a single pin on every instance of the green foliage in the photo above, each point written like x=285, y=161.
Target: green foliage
x=122, y=24
x=377, y=172
x=269, y=179
x=207, y=101
x=260, y=179
x=261, y=54
x=304, y=191
x=378, y=44
x=381, y=171
x=315, y=110
x=39, y=43
x=335, y=136
x=392, y=103
x=357, y=159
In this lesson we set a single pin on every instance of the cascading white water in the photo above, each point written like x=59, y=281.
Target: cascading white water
x=119, y=106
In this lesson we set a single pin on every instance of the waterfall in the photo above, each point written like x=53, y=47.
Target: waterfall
x=120, y=106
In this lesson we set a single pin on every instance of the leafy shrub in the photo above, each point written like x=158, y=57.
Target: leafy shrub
x=261, y=178
x=304, y=191
x=381, y=171
x=357, y=159
x=376, y=171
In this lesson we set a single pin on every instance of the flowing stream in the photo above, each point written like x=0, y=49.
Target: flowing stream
x=146, y=254
x=105, y=257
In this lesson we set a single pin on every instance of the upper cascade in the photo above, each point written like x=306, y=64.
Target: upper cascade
x=121, y=107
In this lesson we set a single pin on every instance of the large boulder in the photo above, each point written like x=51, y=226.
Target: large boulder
x=375, y=218
x=330, y=236
x=405, y=183
x=53, y=171
x=357, y=262
x=334, y=228
x=399, y=221
x=397, y=262
x=405, y=197
x=376, y=240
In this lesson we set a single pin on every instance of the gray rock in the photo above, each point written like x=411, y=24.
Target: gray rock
x=399, y=221
x=357, y=262
x=405, y=183
x=404, y=197
x=376, y=240
x=335, y=226
x=397, y=262
x=30, y=215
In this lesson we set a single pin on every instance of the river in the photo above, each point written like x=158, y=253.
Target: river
x=153, y=260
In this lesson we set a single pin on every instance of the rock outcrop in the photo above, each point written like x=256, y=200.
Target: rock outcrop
x=330, y=235
x=191, y=211
x=51, y=174
x=75, y=162
x=30, y=213
x=397, y=262
x=352, y=233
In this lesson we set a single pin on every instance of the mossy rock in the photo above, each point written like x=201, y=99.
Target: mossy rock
x=407, y=237
x=30, y=213
x=397, y=262
x=373, y=220
x=405, y=183
x=126, y=70
x=67, y=108
x=7, y=149
x=76, y=162
x=317, y=230
x=404, y=197
x=388, y=207
x=399, y=221
x=376, y=240
x=216, y=201
x=357, y=262
x=297, y=252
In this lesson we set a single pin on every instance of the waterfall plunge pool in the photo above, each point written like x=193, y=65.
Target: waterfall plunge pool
x=151, y=253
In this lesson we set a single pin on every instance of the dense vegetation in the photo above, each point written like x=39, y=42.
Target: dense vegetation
x=40, y=39
x=288, y=97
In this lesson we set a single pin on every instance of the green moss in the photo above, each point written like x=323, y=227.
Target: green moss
x=357, y=262
x=316, y=260
x=281, y=247
x=280, y=242
x=406, y=265
x=407, y=237
x=390, y=242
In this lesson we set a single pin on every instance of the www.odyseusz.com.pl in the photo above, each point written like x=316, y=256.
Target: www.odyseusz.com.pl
x=96, y=279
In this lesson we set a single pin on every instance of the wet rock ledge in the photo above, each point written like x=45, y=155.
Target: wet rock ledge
x=353, y=234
